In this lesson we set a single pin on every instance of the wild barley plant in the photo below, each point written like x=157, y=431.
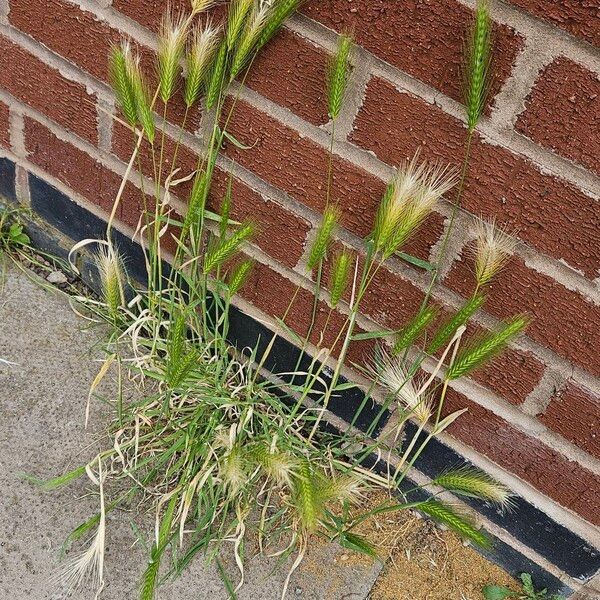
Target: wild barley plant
x=211, y=447
x=476, y=81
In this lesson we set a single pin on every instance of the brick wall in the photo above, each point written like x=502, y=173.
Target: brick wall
x=536, y=169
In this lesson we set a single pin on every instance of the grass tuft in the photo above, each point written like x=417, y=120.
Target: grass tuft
x=208, y=445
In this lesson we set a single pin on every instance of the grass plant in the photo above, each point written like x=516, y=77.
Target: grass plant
x=210, y=447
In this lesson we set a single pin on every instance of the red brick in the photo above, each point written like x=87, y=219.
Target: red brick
x=579, y=17
x=425, y=39
x=391, y=300
x=562, y=112
x=292, y=72
x=513, y=375
x=123, y=142
x=45, y=89
x=423, y=240
x=4, y=126
x=75, y=168
x=420, y=245
x=68, y=30
x=561, y=320
x=271, y=292
x=149, y=12
x=574, y=413
x=566, y=482
x=298, y=166
x=548, y=213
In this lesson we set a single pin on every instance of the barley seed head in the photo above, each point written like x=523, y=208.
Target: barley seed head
x=474, y=482
x=232, y=471
x=110, y=270
x=203, y=46
x=119, y=72
x=171, y=44
x=413, y=194
x=318, y=250
x=347, y=488
x=391, y=372
x=493, y=247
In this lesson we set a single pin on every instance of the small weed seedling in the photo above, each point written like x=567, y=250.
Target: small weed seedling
x=500, y=592
x=12, y=234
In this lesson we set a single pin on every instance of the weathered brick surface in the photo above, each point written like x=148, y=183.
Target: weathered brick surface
x=513, y=375
x=391, y=300
x=123, y=142
x=574, y=412
x=75, y=168
x=579, y=17
x=148, y=12
x=4, y=126
x=560, y=319
x=45, y=89
x=270, y=292
x=424, y=39
x=283, y=158
x=563, y=480
x=68, y=30
x=300, y=70
x=423, y=240
x=547, y=212
x=561, y=113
